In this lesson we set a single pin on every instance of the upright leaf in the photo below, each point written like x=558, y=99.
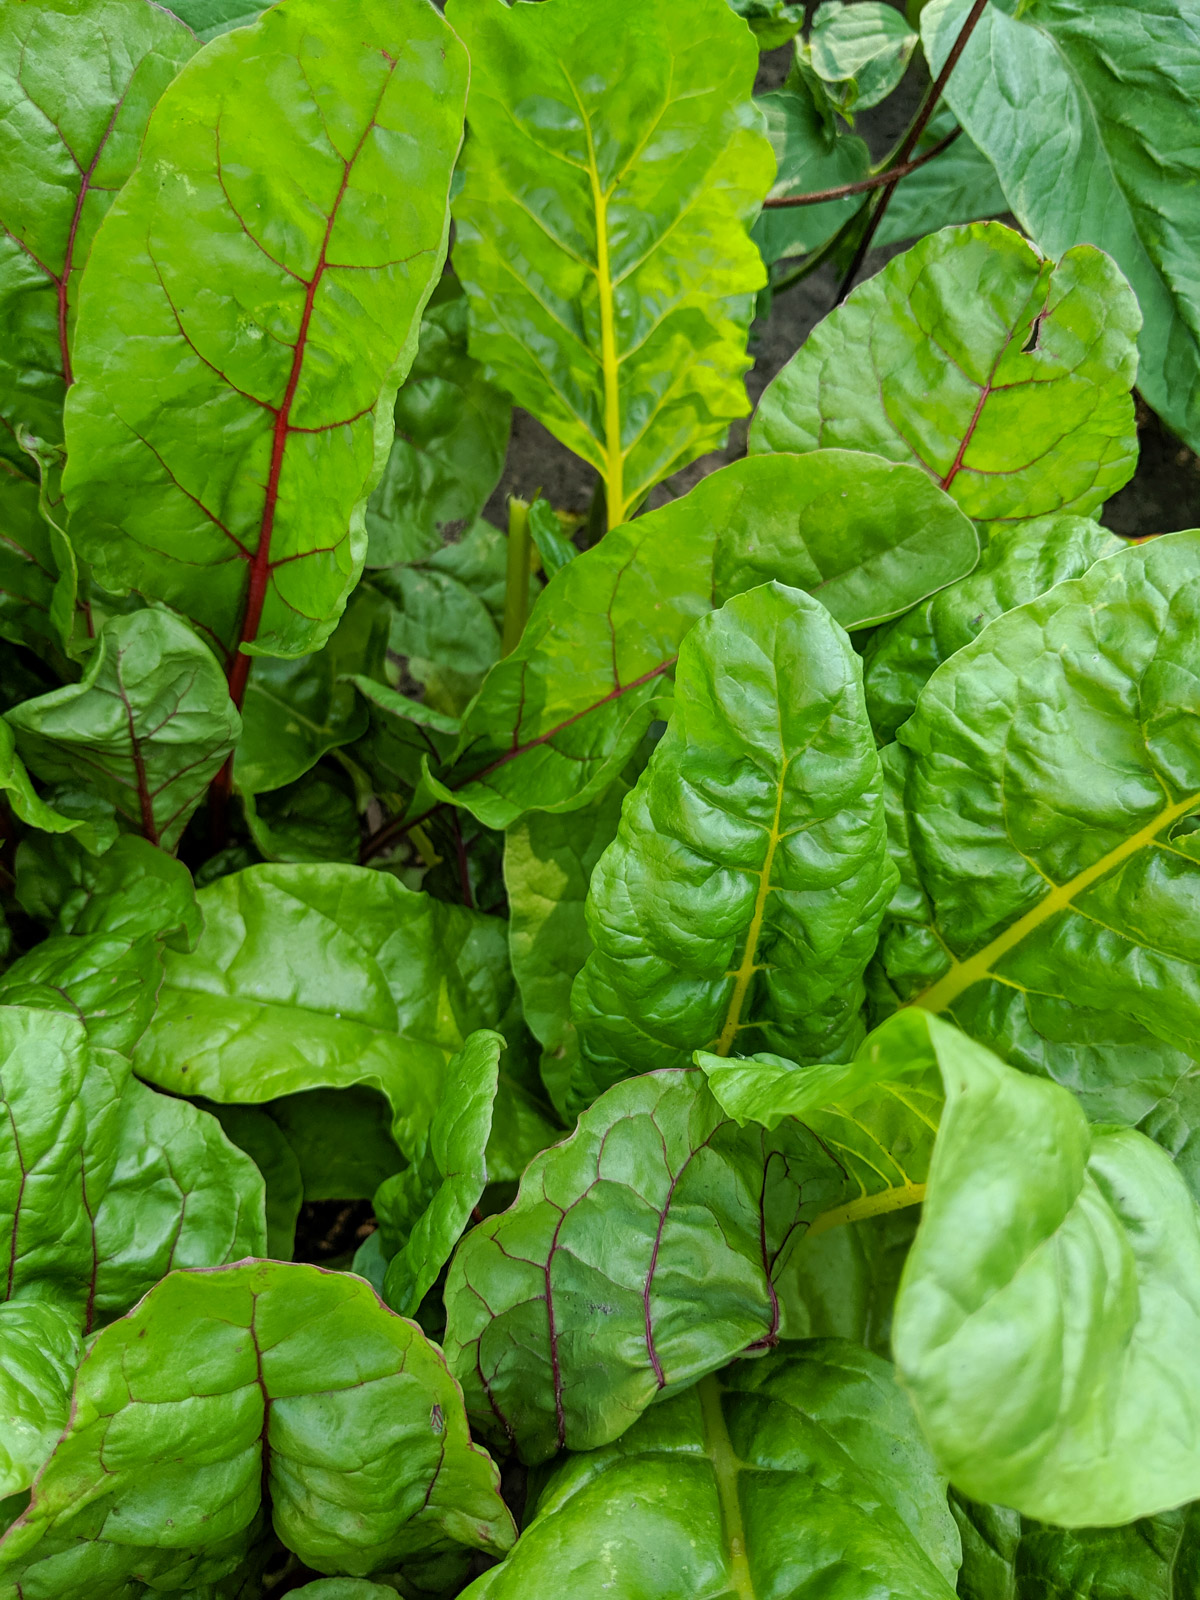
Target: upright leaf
x=740, y=902
x=1086, y=114
x=290, y=203
x=27, y=804
x=78, y=81
x=1053, y=771
x=810, y=155
x=295, y=1363
x=149, y=724
x=858, y=54
x=1005, y=377
x=802, y=1475
x=608, y=185
x=558, y=718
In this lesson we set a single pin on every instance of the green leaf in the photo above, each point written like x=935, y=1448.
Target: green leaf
x=208, y=18
x=1004, y=376
x=78, y=81
x=27, y=804
x=294, y=1361
x=802, y=1475
x=772, y=22
x=255, y=1131
x=960, y=185
x=340, y=1139
x=39, y=1351
x=265, y=269
x=296, y=711
x=1051, y=766
x=103, y=1184
x=810, y=156
x=344, y=1589
x=1018, y=563
x=558, y=718
x=1048, y=1320
x=312, y=977
x=149, y=724
x=639, y=1255
x=741, y=900
x=28, y=570
x=1087, y=117
x=451, y=439
x=858, y=52
x=315, y=819
x=601, y=230
x=548, y=535
x=422, y=1211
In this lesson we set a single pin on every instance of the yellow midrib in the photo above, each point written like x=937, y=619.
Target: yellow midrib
x=963, y=974
x=610, y=366
x=869, y=1205
x=745, y=972
x=726, y=1467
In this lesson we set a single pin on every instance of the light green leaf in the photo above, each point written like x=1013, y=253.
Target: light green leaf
x=608, y=184
x=558, y=718
x=1051, y=766
x=1087, y=115
x=422, y=1211
x=960, y=185
x=810, y=156
x=27, y=804
x=1005, y=377
x=149, y=724
x=451, y=440
x=801, y=1475
x=78, y=81
x=296, y=711
x=313, y=977
x=294, y=1362
x=265, y=268
x=39, y=1351
x=741, y=900
x=1018, y=563
x=858, y=52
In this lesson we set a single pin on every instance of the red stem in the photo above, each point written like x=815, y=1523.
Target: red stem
x=878, y=181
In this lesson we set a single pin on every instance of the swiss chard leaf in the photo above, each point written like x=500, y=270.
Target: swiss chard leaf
x=857, y=53
x=294, y=1362
x=960, y=185
x=1088, y=124
x=149, y=724
x=27, y=804
x=78, y=81
x=1005, y=377
x=810, y=155
x=802, y=1475
x=289, y=204
x=39, y=1351
x=608, y=185
x=558, y=718
x=741, y=900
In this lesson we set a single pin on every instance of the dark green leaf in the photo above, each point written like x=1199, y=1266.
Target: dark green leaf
x=1087, y=114
x=960, y=185
x=1004, y=376
x=28, y=569
x=558, y=718
x=810, y=156
x=741, y=901
x=315, y=819
x=28, y=805
x=293, y=1363
x=255, y=1131
x=208, y=18
x=608, y=183
x=548, y=535
x=264, y=269
x=803, y=1476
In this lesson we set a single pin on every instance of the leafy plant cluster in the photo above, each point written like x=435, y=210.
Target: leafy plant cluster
x=699, y=1005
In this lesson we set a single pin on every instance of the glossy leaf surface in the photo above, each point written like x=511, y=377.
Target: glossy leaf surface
x=1004, y=376
x=290, y=202
x=1100, y=151
x=601, y=230
x=78, y=81
x=149, y=724
x=27, y=803
x=558, y=718
x=740, y=902
x=39, y=1351
x=802, y=1475
x=326, y=976
x=294, y=1359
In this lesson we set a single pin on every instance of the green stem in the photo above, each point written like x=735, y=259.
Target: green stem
x=516, y=588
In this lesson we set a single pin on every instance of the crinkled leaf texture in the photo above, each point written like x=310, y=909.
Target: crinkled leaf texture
x=557, y=719
x=223, y=1388
x=1047, y=781
x=1005, y=377
x=40, y=1348
x=78, y=81
x=312, y=977
x=423, y=1210
x=148, y=725
x=741, y=900
x=290, y=204
x=105, y=1185
x=803, y=1476
x=601, y=230
x=1087, y=114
